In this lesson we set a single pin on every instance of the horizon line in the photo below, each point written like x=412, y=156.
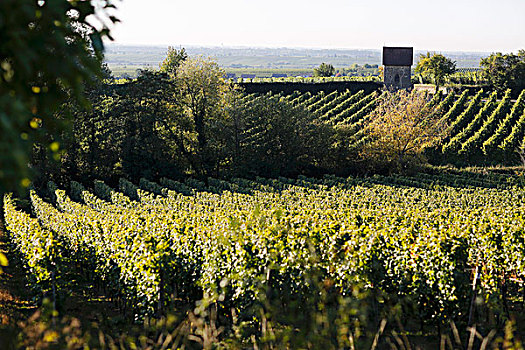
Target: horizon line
x=112, y=43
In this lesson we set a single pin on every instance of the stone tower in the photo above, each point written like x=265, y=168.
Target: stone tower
x=397, y=62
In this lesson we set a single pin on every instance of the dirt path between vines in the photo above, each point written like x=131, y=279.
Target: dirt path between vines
x=15, y=298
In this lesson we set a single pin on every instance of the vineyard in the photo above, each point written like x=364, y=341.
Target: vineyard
x=297, y=260
x=256, y=198
x=480, y=130
x=412, y=247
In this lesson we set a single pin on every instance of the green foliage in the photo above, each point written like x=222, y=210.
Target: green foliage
x=484, y=131
x=515, y=138
x=48, y=51
x=505, y=125
x=505, y=71
x=475, y=122
x=399, y=128
x=305, y=261
x=324, y=70
x=279, y=139
x=444, y=106
x=173, y=60
x=463, y=119
x=435, y=66
x=121, y=130
x=340, y=105
x=195, y=123
x=453, y=112
x=325, y=100
x=154, y=126
x=467, y=76
x=42, y=250
x=358, y=111
x=312, y=100
x=204, y=100
x=489, y=125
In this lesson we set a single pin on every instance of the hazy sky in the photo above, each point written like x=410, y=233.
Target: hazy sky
x=438, y=25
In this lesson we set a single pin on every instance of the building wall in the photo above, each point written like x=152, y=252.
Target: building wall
x=397, y=77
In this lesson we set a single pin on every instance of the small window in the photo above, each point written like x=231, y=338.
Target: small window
x=396, y=79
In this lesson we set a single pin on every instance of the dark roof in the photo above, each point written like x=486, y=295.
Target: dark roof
x=398, y=56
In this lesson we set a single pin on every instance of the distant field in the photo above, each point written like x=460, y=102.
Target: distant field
x=263, y=61
x=128, y=70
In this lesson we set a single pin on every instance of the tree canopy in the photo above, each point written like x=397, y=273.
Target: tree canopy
x=505, y=71
x=194, y=123
x=173, y=60
x=435, y=67
x=49, y=50
x=324, y=70
x=400, y=128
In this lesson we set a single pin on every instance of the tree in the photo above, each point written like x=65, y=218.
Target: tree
x=173, y=60
x=199, y=115
x=505, y=71
x=123, y=133
x=193, y=123
x=49, y=50
x=399, y=129
x=276, y=138
x=324, y=70
x=436, y=67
